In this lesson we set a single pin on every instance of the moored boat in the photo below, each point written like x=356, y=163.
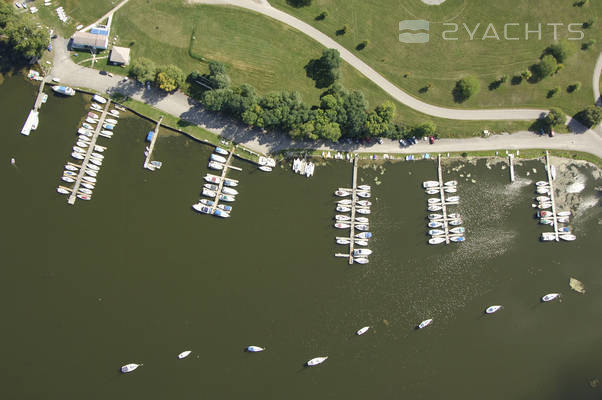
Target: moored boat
x=93, y=115
x=96, y=161
x=221, y=213
x=70, y=167
x=88, y=126
x=434, y=207
x=550, y=297
x=81, y=144
x=90, y=179
x=363, y=194
x=85, y=191
x=201, y=208
x=457, y=239
x=568, y=237
x=343, y=209
x=316, y=361
x=362, y=227
x=435, y=224
x=228, y=190
x=265, y=168
x=434, y=200
x=111, y=121
x=109, y=127
x=360, y=260
x=211, y=186
x=453, y=198
x=432, y=191
x=435, y=216
x=215, y=157
x=95, y=107
x=114, y=113
x=364, y=211
x=129, y=367
x=343, y=241
x=362, y=220
x=99, y=99
x=361, y=252
x=89, y=172
x=91, y=120
x=208, y=193
x=450, y=189
x=93, y=167
x=230, y=182
x=364, y=203
x=254, y=349
x=424, y=323
x=364, y=187
x=88, y=185
x=458, y=229
x=563, y=213
x=451, y=183
x=492, y=309
x=227, y=197
x=341, y=225
x=78, y=156
x=455, y=222
x=62, y=190
x=541, y=183
x=69, y=173
x=215, y=165
x=339, y=217
x=436, y=232
x=221, y=151
x=430, y=184
x=82, y=196
x=345, y=201
x=78, y=149
x=64, y=90
x=184, y=354
x=363, y=235
x=212, y=179
x=362, y=330
x=342, y=193
x=436, y=240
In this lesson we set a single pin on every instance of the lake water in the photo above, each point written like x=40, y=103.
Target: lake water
x=136, y=276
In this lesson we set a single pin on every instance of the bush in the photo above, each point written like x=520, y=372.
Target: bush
x=526, y=74
x=143, y=70
x=464, y=154
x=560, y=51
x=546, y=67
x=573, y=87
x=362, y=45
x=555, y=118
x=322, y=16
x=343, y=30
x=466, y=88
x=589, y=44
x=425, y=129
x=503, y=78
x=552, y=92
x=589, y=23
x=299, y=3
x=591, y=116
x=169, y=78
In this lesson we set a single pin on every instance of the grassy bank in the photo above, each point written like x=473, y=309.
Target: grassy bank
x=442, y=62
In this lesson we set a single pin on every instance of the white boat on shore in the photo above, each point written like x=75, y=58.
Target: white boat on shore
x=424, y=323
x=363, y=330
x=254, y=349
x=550, y=297
x=129, y=367
x=492, y=309
x=316, y=361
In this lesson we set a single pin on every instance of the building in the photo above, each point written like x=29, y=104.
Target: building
x=89, y=41
x=119, y=55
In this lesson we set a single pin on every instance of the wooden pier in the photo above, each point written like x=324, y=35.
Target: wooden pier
x=353, y=205
x=552, y=198
x=222, y=179
x=511, y=163
x=151, y=147
x=442, y=196
x=39, y=99
x=82, y=169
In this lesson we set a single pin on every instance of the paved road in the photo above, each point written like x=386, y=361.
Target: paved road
x=390, y=88
x=188, y=109
x=596, y=81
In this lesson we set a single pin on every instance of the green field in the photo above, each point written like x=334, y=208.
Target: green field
x=82, y=12
x=442, y=62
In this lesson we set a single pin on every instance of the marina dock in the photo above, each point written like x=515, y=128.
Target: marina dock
x=218, y=192
x=33, y=118
x=511, y=163
x=80, y=175
x=442, y=195
x=353, y=206
x=151, y=147
x=553, y=200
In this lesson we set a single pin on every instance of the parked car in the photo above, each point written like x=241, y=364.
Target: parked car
x=380, y=140
x=103, y=72
x=431, y=140
x=403, y=142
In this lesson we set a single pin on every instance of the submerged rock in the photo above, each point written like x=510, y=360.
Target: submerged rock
x=576, y=285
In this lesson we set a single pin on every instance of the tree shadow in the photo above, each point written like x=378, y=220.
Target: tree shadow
x=495, y=84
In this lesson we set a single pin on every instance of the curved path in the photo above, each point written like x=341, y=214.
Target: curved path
x=263, y=7
x=596, y=81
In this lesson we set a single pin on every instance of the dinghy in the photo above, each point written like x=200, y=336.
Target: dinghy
x=492, y=309
x=255, y=349
x=316, y=361
x=129, y=367
x=361, y=260
x=221, y=151
x=341, y=225
x=215, y=157
x=362, y=330
x=550, y=297
x=62, y=190
x=436, y=240
x=425, y=323
x=343, y=209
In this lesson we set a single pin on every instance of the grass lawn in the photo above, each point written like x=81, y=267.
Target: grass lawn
x=443, y=62
x=80, y=12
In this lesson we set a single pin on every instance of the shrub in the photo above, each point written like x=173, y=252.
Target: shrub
x=299, y=3
x=526, y=74
x=504, y=78
x=143, y=70
x=553, y=91
x=322, y=16
x=464, y=154
x=587, y=45
x=343, y=30
x=466, y=88
x=591, y=116
x=546, y=67
x=561, y=51
x=589, y=23
x=573, y=87
x=555, y=118
x=363, y=45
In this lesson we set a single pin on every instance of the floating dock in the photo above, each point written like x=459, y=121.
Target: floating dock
x=82, y=169
x=442, y=196
x=552, y=199
x=33, y=118
x=511, y=164
x=151, y=147
x=218, y=192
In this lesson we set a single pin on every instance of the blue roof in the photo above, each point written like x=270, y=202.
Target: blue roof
x=98, y=31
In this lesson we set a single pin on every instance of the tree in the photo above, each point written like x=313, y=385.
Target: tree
x=169, y=78
x=425, y=129
x=22, y=35
x=590, y=117
x=466, y=88
x=216, y=100
x=555, y=118
x=322, y=16
x=380, y=121
x=546, y=67
x=299, y=3
x=143, y=70
x=324, y=127
x=573, y=87
x=325, y=70
x=218, y=77
x=561, y=51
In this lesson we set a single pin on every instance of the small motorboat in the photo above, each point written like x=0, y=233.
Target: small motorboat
x=435, y=207
x=83, y=196
x=364, y=203
x=342, y=193
x=430, y=184
x=563, y=229
x=492, y=309
x=91, y=120
x=541, y=183
x=70, y=173
x=85, y=132
x=106, y=132
x=436, y=240
x=211, y=186
x=215, y=165
x=212, y=179
x=343, y=241
x=453, y=216
x=451, y=183
x=230, y=182
x=543, y=190
x=362, y=227
x=458, y=229
x=229, y=190
x=206, y=202
x=436, y=232
x=64, y=90
x=434, y=200
x=542, y=198
x=97, y=155
x=88, y=126
x=563, y=213
x=262, y=160
x=254, y=349
x=364, y=211
x=265, y=168
x=62, y=190
x=221, y=151
x=99, y=99
x=78, y=149
x=432, y=191
x=96, y=162
x=435, y=224
x=109, y=127
x=111, y=121
x=550, y=297
x=545, y=214
x=362, y=220
x=68, y=179
x=364, y=187
x=221, y=213
x=457, y=239
x=361, y=252
x=316, y=361
x=114, y=113
x=362, y=330
x=341, y=225
x=343, y=209
x=93, y=115
x=85, y=191
x=95, y=107
x=272, y=163
x=450, y=189
x=90, y=179
x=339, y=217
x=360, y=260
x=546, y=221
x=129, y=367
x=364, y=235
x=87, y=185
x=435, y=216
x=424, y=323
x=84, y=138
x=227, y=197
x=201, y=208
x=93, y=167
x=363, y=194
x=568, y=237
x=455, y=222
x=78, y=156
x=208, y=193
x=346, y=202
x=547, y=237
x=359, y=242
x=220, y=159
x=453, y=198
x=89, y=172
x=562, y=220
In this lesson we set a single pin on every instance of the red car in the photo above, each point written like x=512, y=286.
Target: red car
x=431, y=140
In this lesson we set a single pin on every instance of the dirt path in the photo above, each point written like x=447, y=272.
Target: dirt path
x=107, y=15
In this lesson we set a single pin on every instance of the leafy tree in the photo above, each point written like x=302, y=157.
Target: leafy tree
x=573, y=87
x=22, y=35
x=546, y=67
x=216, y=100
x=169, y=78
x=322, y=16
x=425, y=129
x=555, y=118
x=7, y=14
x=466, y=88
x=325, y=70
x=299, y=3
x=218, y=77
x=143, y=70
x=526, y=74
x=324, y=127
x=561, y=51
x=591, y=116
x=380, y=121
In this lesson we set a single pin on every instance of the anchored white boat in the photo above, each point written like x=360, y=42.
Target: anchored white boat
x=364, y=187
x=568, y=237
x=91, y=120
x=230, y=182
x=70, y=173
x=363, y=235
x=492, y=309
x=339, y=217
x=451, y=183
x=215, y=157
x=229, y=190
x=129, y=367
x=342, y=225
x=96, y=162
x=432, y=191
x=62, y=190
x=436, y=232
x=255, y=349
x=265, y=168
x=436, y=240
x=208, y=193
x=550, y=297
x=434, y=200
x=359, y=242
x=361, y=252
x=215, y=165
x=430, y=184
x=89, y=172
x=343, y=209
x=345, y=202
x=364, y=203
x=316, y=361
x=90, y=179
x=435, y=216
x=78, y=149
x=362, y=330
x=342, y=193
x=361, y=260
x=364, y=211
x=435, y=224
x=425, y=323
x=97, y=155
x=364, y=194
x=184, y=354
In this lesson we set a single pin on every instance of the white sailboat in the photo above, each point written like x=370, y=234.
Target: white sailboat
x=492, y=309
x=130, y=367
x=425, y=323
x=362, y=330
x=255, y=349
x=550, y=297
x=316, y=361
x=184, y=354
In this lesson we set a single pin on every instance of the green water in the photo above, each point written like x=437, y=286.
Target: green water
x=136, y=276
